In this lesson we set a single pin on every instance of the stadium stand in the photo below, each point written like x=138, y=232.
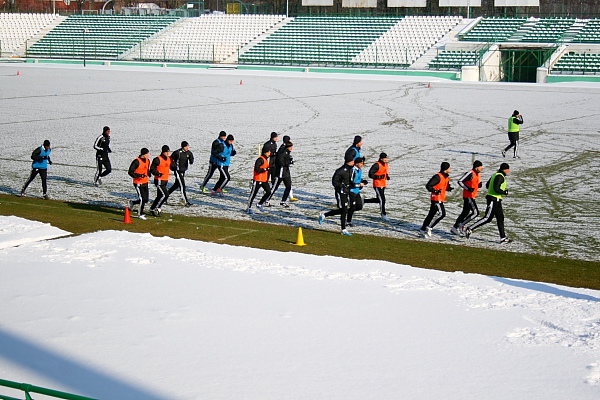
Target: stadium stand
x=578, y=63
x=494, y=29
x=590, y=33
x=318, y=40
x=17, y=28
x=406, y=41
x=454, y=59
x=98, y=36
x=211, y=37
x=548, y=30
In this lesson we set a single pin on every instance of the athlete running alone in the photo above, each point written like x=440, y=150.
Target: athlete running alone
x=514, y=128
x=39, y=166
x=102, y=147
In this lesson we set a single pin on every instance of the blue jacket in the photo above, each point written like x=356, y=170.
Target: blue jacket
x=216, y=149
x=356, y=180
x=227, y=153
x=40, y=160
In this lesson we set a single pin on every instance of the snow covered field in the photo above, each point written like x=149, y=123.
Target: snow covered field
x=554, y=204
x=119, y=315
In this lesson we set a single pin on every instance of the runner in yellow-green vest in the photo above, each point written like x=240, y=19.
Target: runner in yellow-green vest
x=514, y=127
x=496, y=191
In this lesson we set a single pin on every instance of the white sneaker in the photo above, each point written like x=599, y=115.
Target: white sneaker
x=142, y=217
x=284, y=204
x=455, y=231
x=428, y=232
x=505, y=240
x=130, y=205
x=321, y=218
x=385, y=217
x=345, y=232
x=503, y=153
x=422, y=233
x=461, y=229
x=260, y=207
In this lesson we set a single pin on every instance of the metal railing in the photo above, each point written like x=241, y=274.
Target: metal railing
x=28, y=389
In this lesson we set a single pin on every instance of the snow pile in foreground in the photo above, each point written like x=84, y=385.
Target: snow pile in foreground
x=119, y=315
x=15, y=231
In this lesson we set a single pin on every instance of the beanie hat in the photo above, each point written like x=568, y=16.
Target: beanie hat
x=515, y=113
x=229, y=137
x=357, y=139
x=504, y=166
x=445, y=165
x=184, y=144
x=382, y=156
x=359, y=160
x=46, y=143
x=105, y=129
x=222, y=133
x=286, y=139
x=165, y=148
x=265, y=149
x=348, y=158
x=288, y=145
x=274, y=135
x=477, y=163
x=144, y=151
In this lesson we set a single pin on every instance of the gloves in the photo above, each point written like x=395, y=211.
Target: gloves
x=50, y=161
x=506, y=192
x=450, y=188
x=437, y=191
x=221, y=158
x=480, y=184
x=471, y=189
x=364, y=182
x=44, y=158
x=387, y=177
x=109, y=151
x=159, y=174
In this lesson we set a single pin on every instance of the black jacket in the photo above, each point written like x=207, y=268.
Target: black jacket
x=102, y=145
x=341, y=179
x=181, y=159
x=283, y=160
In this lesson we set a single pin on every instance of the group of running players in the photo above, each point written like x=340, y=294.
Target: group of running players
x=272, y=168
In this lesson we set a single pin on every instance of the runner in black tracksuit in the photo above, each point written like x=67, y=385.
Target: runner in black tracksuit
x=181, y=160
x=102, y=147
x=283, y=160
x=271, y=145
x=341, y=183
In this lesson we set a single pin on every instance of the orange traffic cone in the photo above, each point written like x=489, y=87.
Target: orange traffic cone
x=429, y=85
x=300, y=239
x=127, y=219
x=241, y=82
x=18, y=73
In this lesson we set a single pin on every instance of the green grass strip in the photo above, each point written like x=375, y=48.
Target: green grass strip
x=81, y=218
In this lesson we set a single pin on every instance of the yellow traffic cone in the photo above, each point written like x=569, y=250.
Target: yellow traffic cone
x=300, y=239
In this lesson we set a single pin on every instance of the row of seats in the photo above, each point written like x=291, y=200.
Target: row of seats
x=319, y=39
x=17, y=28
x=577, y=63
x=494, y=29
x=98, y=36
x=407, y=41
x=193, y=38
x=545, y=30
x=454, y=59
x=548, y=30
